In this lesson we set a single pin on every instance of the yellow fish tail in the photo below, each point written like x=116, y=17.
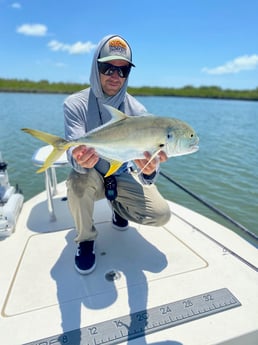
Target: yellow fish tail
x=59, y=144
x=51, y=158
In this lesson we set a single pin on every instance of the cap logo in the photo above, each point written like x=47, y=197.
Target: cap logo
x=117, y=47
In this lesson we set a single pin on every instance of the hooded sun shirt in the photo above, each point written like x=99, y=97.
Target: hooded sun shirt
x=84, y=111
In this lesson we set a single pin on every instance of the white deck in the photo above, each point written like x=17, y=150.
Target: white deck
x=42, y=296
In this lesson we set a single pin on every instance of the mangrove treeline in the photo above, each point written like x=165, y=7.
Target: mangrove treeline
x=44, y=86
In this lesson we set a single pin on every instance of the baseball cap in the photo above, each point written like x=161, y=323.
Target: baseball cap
x=116, y=49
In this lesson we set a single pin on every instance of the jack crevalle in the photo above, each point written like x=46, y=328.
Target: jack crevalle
x=125, y=138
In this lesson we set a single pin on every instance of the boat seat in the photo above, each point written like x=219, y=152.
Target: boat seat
x=38, y=159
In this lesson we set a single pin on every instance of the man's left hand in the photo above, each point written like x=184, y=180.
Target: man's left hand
x=151, y=164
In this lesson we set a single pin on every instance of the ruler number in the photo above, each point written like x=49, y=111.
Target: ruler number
x=142, y=316
x=187, y=303
x=165, y=310
x=118, y=323
x=207, y=298
x=93, y=330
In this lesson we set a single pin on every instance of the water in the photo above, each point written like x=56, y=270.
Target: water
x=224, y=172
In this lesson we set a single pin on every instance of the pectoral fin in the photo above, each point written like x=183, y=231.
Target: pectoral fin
x=114, y=166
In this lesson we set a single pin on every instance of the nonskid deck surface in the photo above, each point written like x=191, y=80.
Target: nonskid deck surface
x=137, y=270
x=49, y=257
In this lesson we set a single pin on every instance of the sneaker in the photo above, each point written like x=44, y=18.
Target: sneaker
x=85, y=260
x=118, y=222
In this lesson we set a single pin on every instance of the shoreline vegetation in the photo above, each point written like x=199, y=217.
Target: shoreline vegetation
x=44, y=86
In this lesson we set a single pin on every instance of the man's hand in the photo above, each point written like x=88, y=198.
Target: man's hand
x=85, y=156
x=152, y=165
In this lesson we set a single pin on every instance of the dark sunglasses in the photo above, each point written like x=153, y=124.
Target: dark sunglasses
x=108, y=69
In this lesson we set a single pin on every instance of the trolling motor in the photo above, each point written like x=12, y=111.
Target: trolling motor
x=11, y=201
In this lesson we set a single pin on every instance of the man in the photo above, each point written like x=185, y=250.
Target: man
x=132, y=197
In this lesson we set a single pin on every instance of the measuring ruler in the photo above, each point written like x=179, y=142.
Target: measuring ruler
x=147, y=321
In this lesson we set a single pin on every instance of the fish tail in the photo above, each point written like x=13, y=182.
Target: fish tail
x=51, y=158
x=59, y=144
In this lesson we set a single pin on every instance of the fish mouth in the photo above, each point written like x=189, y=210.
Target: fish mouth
x=195, y=145
x=194, y=148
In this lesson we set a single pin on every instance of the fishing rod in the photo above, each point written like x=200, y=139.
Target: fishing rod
x=207, y=204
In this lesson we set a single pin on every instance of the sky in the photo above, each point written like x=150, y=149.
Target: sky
x=174, y=43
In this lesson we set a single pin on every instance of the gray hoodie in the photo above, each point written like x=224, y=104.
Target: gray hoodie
x=84, y=111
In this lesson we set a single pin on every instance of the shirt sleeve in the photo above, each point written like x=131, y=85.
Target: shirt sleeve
x=74, y=125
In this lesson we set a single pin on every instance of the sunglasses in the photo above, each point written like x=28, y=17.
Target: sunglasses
x=108, y=69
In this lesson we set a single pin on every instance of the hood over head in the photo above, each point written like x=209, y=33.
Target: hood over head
x=111, y=47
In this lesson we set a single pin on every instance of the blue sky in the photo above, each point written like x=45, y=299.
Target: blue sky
x=175, y=43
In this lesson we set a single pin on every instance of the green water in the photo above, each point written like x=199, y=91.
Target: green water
x=224, y=171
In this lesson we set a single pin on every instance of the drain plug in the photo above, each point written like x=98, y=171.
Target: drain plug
x=112, y=275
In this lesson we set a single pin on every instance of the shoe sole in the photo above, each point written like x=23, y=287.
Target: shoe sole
x=120, y=228
x=85, y=272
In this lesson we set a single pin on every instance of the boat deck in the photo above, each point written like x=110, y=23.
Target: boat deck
x=190, y=282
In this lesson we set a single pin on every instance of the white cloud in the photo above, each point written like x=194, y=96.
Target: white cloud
x=16, y=5
x=241, y=63
x=76, y=48
x=60, y=64
x=32, y=29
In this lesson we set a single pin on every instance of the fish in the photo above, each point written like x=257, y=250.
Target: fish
x=125, y=138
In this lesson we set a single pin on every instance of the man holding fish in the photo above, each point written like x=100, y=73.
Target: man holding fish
x=108, y=135
x=132, y=196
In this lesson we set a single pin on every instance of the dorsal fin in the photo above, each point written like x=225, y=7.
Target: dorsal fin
x=116, y=114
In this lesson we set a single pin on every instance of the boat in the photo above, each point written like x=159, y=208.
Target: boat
x=11, y=201
x=190, y=282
